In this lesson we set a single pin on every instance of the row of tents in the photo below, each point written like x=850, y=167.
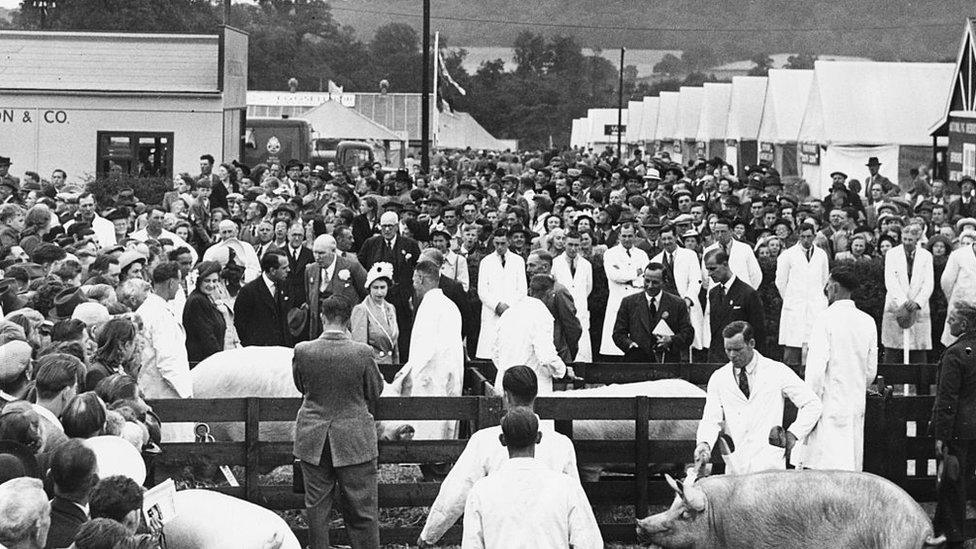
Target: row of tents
x=807, y=123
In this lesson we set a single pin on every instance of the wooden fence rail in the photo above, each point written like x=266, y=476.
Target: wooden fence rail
x=894, y=438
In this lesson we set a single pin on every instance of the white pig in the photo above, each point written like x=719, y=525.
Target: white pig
x=261, y=372
x=797, y=509
x=210, y=520
x=595, y=429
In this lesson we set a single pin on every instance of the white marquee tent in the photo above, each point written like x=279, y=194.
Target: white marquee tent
x=633, y=121
x=745, y=115
x=714, y=119
x=787, y=92
x=666, y=133
x=689, y=114
x=649, y=120
x=857, y=110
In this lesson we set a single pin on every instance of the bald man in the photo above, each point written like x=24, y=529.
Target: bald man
x=330, y=275
x=401, y=252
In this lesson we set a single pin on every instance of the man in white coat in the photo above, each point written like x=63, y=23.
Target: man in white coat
x=525, y=338
x=501, y=284
x=959, y=282
x=484, y=454
x=744, y=400
x=742, y=260
x=841, y=362
x=436, y=363
x=801, y=272
x=526, y=504
x=909, y=279
x=683, y=278
x=575, y=273
x=624, y=264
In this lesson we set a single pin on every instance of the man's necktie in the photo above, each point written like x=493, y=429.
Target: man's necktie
x=809, y=253
x=628, y=252
x=572, y=268
x=502, y=259
x=910, y=259
x=720, y=291
x=652, y=308
x=743, y=382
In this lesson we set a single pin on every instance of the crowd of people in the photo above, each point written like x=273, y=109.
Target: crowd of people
x=560, y=257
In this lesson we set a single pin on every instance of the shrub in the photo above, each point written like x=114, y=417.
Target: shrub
x=148, y=190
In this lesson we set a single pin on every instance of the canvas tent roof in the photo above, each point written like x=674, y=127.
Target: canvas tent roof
x=746, y=107
x=787, y=92
x=649, y=118
x=667, y=118
x=715, y=111
x=333, y=121
x=459, y=130
x=871, y=103
x=633, y=121
x=689, y=111
x=577, y=136
x=598, y=120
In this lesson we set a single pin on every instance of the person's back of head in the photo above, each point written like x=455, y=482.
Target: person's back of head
x=25, y=513
x=336, y=310
x=540, y=285
x=15, y=359
x=20, y=423
x=70, y=329
x=100, y=533
x=84, y=416
x=520, y=432
x=118, y=498
x=520, y=386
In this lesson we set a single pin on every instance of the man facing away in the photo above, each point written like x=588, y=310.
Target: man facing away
x=841, y=362
x=744, y=400
x=484, y=454
x=524, y=504
x=335, y=434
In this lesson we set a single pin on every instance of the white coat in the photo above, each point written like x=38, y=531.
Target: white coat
x=688, y=281
x=742, y=263
x=525, y=338
x=625, y=276
x=579, y=287
x=455, y=267
x=801, y=285
x=900, y=290
x=497, y=284
x=748, y=421
x=841, y=362
x=436, y=364
x=959, y=282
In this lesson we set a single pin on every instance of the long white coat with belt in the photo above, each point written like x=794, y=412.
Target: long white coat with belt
x=801, y=285
x=901, y=290
x=625, y=276
x=579, y=285
x=497, y=284
x=841, y=362
x=688, y=281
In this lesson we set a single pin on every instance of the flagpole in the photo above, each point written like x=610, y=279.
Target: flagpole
x=437, y=109
x=425, y=94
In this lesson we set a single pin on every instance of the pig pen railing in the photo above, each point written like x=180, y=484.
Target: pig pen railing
x=894, y=438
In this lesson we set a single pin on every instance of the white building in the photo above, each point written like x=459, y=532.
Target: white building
x=148, y=103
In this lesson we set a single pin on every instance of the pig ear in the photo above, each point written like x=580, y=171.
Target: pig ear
x=675, y=486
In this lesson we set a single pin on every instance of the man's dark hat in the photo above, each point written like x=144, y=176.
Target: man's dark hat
x=587, y=171
x=9, y=300
x=66, y=301
x=117, y=213
x=17, y=460
x=873, y=161
x=297, y=320
x=293, y=163
x=4, y=161
x=835, y=174
x=402, y=176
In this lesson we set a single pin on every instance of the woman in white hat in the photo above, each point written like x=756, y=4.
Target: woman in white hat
x=374, y=321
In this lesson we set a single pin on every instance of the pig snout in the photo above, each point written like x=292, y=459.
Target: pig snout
x=394, y=431
x=404, y=432
x=649, y=529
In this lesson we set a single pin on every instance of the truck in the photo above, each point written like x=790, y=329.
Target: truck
x=344, y=153
x=276, y=141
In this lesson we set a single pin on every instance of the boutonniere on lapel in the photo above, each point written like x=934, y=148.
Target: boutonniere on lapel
x=665, y=315
x=406, y=255
x=344, y=275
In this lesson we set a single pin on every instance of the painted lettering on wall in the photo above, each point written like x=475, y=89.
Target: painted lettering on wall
x=13, y=116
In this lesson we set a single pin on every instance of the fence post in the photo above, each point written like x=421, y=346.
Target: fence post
x=642, y=414
x=489, y=412
x=251, y=449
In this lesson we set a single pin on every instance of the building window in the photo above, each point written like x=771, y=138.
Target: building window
x=140, y=154
x=969, y=159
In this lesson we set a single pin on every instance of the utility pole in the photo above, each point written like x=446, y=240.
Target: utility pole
x=227, y=12
x=425, y=95
x=620, y=109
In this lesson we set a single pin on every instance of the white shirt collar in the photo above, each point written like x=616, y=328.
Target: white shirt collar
x=269, y=283
x=728, y=283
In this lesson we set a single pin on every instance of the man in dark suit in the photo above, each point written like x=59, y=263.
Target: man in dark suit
x=335, y=435
x=953, y=423
x=330, y=275
x=299, y=255
x=730, y=299
x=74, y=472
x=640, y=314
x=402, y=253
x=262, y=305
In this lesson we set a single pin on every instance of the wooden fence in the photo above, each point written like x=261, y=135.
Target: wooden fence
x=895, y=445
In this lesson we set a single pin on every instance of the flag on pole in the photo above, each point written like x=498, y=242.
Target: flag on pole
x=447, y=75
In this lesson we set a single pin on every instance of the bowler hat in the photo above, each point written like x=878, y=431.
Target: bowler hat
x=873, y=161
x=297, y=319
x=4, y=161
x=835, y=174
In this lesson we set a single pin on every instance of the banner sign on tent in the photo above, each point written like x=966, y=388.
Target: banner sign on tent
x=962, y=148
x=766, y=152
x=614, y=129
x=810, y=154
x=700, y=148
